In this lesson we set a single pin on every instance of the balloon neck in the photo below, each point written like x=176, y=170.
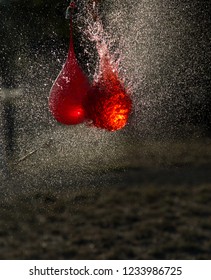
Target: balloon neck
x=68, y=16
x=71, y=52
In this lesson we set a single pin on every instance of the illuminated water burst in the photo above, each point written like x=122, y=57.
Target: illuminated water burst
x=108, y=103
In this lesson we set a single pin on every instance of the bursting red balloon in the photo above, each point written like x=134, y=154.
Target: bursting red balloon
x=108, y=104
x=69, y=90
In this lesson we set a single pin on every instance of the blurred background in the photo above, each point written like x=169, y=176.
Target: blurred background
x=81, y=193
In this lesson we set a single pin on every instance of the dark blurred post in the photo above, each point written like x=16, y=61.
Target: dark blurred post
x=7, y=129
x=4, y=174
x=8, y=119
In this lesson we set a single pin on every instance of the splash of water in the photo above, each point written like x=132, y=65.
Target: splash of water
x=108, y=103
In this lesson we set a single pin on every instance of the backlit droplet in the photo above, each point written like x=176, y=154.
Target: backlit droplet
x=69, y=89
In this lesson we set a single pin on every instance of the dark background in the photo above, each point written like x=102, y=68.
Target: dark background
x=80, y=193
x=34, y=28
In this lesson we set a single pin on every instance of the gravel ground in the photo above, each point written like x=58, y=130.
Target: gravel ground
x=155, y=205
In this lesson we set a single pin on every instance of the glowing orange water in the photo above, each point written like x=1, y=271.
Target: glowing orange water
x=69, y=90
x=108, y=104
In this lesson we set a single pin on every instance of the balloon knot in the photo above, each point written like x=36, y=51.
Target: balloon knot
x=71, y=7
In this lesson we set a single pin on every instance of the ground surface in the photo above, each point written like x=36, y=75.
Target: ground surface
x=154, y=205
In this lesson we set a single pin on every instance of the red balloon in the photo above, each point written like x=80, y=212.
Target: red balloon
x=69, y=90
x=108, y=105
